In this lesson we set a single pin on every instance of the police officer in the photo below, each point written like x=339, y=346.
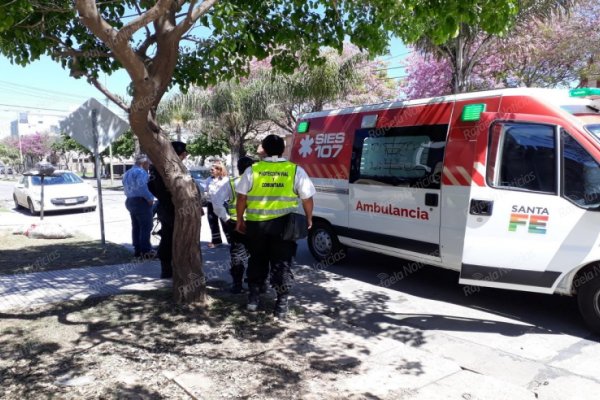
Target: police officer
x=267, y=192
x=226, y=195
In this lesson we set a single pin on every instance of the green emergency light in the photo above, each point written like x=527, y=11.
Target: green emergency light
x=302, y=127
x=472, y=112
x=584, y=92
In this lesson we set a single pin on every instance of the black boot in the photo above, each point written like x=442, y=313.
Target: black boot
x=237, y=275
x=281, y=306
x=253, y=298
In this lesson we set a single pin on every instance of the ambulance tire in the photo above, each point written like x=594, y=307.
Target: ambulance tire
x=324, y=244
x=588, y=298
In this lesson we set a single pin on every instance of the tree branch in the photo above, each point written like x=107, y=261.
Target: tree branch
x=148, y=33
x=94, y=81
x=149, y=16
x=194, y=13
x=142, y=48
x=91, y=18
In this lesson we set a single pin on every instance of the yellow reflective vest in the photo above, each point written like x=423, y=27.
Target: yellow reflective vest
x=231, y=205
x=272, y=194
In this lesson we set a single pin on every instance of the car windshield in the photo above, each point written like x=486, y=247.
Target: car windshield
x=62, y=179
x=594, y=130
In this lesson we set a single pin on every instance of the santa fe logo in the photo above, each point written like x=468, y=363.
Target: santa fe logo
x=327, y=145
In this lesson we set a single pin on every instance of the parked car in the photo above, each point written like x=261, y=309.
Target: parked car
x=6, y=170
x=62, y=191
x=200, y=175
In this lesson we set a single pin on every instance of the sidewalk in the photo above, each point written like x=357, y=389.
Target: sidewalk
x=394, y=345
x=386, y=368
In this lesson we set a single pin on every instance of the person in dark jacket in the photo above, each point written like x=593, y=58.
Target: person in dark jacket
x=166, y=213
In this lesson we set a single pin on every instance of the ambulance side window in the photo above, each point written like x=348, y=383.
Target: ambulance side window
x=580, y=173
x=407, y=156
x=522, y=156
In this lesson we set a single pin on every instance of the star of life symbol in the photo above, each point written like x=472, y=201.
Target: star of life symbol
x=306, y=146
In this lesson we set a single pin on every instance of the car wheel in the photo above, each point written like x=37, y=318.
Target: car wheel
x=31, y=207
x=588, y=298
x=324, y=244
x=17, y=205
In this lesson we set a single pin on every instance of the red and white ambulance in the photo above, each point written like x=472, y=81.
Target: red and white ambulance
x=503, y=186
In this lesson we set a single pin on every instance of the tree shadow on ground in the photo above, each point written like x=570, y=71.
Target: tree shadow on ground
x=536, y=313
x=147, y=333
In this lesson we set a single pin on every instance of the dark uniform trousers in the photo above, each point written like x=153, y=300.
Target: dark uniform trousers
x=269, y=251
x=237, y=251
x=166, y=217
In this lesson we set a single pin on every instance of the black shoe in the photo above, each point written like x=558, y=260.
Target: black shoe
x=281, y=307
x=253, y=298
x=149, y=255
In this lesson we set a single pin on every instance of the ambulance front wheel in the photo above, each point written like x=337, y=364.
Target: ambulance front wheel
x=588, y=297
x=324, y=244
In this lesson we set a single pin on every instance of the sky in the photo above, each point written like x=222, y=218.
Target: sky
x=44, y=87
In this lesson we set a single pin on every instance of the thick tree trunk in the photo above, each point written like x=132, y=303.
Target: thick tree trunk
x=151, y=77
x=189, y=284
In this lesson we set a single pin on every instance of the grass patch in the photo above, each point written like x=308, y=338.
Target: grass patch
x=21, y=254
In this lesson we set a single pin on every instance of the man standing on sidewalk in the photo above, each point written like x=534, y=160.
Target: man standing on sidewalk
x=267, y=192
x=166, y=213
x=237, y=242
x=139, y=204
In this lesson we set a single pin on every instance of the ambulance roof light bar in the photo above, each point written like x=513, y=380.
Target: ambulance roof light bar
x=472, y=112
x=302, y=127
x=585, y=92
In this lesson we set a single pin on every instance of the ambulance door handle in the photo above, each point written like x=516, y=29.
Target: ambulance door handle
x=431, y=199
x=481, y=207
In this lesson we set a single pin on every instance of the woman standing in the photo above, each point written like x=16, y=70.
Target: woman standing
x=218, y=178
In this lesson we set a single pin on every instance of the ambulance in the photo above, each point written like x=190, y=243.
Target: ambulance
x=502, y=186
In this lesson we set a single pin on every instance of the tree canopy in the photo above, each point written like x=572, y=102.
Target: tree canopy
x=554, y=52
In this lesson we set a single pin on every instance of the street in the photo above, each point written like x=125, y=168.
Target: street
x=528, y=340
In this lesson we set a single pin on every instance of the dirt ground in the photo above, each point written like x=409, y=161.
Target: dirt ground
x=143, y=346
x=20, y=254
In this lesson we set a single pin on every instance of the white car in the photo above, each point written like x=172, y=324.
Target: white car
x=62, y=191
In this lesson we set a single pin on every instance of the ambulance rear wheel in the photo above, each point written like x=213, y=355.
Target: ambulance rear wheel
x=324, y=244
x=588, y=297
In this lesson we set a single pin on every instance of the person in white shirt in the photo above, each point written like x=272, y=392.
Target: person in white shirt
x=267, y=192
x=224, y=206
x=217, y=179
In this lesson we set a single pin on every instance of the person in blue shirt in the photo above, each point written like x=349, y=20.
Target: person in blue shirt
x=139, y=204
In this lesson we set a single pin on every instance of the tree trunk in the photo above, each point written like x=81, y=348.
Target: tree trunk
x=235, y=156
x=189, y=284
